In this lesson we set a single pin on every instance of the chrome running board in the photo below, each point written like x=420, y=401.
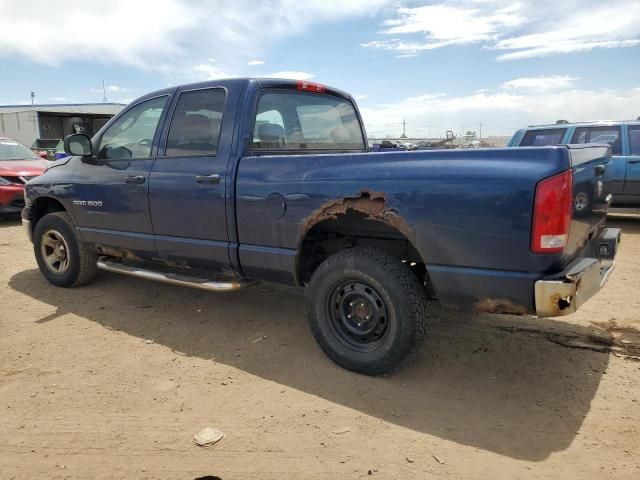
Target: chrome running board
x=172, y=278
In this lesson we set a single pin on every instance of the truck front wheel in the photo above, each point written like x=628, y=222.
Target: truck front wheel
x=366, y=309
x=63, y=259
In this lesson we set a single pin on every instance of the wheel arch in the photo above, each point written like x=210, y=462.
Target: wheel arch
x=42, y=206
x=355, y=228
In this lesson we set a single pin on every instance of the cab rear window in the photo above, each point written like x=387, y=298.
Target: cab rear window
x=295, y=121
x=540, y=138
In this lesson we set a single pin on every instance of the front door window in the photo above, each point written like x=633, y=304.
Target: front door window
x=131, y=135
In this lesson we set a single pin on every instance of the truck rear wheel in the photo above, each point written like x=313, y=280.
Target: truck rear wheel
x=63, y=259
x=366, y=309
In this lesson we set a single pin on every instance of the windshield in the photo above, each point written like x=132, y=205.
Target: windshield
x=10, y=150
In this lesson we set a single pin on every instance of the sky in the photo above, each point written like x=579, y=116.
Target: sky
x=438, y=65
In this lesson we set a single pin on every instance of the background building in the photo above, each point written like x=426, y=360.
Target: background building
x=43, y=126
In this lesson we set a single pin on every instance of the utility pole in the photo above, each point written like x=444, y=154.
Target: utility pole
x=104, y=93
x=404, y=129
x=480, y=131
x=33, y=95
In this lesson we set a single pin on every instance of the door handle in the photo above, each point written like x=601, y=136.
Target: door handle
x=210, y=179
x=136, y=179
x=634, y=161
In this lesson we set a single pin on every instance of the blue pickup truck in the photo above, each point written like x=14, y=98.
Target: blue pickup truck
x=623, y=138
x=219, y=184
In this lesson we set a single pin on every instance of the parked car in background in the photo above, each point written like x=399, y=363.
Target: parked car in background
x=18, y=165
x=623, y=137
x=388, y=146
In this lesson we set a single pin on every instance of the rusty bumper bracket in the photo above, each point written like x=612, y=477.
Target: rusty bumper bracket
x=563, y=294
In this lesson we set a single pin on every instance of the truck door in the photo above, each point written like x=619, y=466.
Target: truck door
x=632, y=180
x=187, y=189
x=110, y=195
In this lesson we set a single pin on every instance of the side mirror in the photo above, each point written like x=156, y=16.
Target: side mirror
x=78, y=144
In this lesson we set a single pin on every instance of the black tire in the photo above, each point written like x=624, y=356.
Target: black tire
x=81, y=260
x=390, y=303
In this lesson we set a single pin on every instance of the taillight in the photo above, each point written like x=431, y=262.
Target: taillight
x=552, y=213
x=311, y=86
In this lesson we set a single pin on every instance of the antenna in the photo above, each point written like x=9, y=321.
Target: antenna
x=104, y=93
x=404, y=129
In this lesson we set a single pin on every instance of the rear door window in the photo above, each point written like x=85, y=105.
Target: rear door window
x=601, y=135
x=295, y=121
x=541, y=138
x=196, y=122
x=634, y=139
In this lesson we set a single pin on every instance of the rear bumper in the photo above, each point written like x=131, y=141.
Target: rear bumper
x=564, y=293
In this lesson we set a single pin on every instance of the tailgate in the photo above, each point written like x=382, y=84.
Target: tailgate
x=590, y=193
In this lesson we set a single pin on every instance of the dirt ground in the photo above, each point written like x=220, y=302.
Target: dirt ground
x=113, y=379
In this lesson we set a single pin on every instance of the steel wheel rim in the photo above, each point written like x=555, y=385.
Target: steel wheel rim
x=358, y=315
x=55, y=252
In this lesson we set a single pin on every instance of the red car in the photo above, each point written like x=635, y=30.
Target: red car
x=18, y=165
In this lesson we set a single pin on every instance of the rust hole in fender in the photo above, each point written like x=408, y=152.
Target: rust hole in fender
x=370, y=203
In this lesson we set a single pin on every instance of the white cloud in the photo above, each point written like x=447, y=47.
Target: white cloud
x=168, y=35
x=211, y=72
x=522, y=29
x=501, y=111
x=562, y=47
x=253, y=63
x=541, y=83
x=360, y=96
x=293, y=75
x=117, y=34
x=613, y=24
x=444, y=25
